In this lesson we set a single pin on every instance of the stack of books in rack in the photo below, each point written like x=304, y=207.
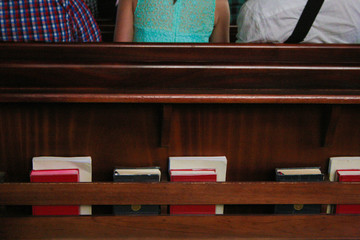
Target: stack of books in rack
x=61, y=169
x=306, y=174
x=197, y=169
x=347, y=175
x=57, y=175
x=139, y=174
x=192, y=175
x=344, y=169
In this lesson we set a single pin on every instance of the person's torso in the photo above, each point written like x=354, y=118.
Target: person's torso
x=184, y=21
x=337, y=21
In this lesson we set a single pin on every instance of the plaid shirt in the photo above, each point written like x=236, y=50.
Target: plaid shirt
x=93, y=6
x=47, y=21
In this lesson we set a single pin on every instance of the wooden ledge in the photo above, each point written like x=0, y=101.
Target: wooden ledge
x=166, y=193
x=171, y=97
x=181, y=227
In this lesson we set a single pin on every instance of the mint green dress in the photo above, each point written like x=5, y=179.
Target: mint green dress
x=184, y=21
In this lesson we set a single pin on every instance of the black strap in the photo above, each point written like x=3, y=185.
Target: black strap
x=306, y=20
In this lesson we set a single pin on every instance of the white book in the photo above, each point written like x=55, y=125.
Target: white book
x=219, y=163
x=81, y=163
x=336, y=163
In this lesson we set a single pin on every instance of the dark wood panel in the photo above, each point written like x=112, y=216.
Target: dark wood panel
x=183, y=227
x=107, y=10
x=209, y=54
x=222, y=73
x=113, y=135
x=168, y=193
x=182, y=77
x=256, y=139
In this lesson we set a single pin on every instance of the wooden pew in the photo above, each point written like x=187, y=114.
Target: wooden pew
x=262, y=106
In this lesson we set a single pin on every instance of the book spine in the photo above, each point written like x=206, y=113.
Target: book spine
x=298, y=208
x=136, y=209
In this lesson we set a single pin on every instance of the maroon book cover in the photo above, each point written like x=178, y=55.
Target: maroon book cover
x=192, y=175
x=58, y=175
x=348, y=175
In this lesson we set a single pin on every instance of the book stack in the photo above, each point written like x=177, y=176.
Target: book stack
x=192, y=175
x=58, y=175
x=340, y=163
x=56, y=166
x=140, y=174
x=306, y=174
x=183, y=168
x=348, y=175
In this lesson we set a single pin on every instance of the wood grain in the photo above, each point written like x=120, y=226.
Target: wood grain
x=182, y=77
x=182, y=227
x=172, y=53
x=199, y=73
x=169, y=193
x=261, y=106
x=255, y=138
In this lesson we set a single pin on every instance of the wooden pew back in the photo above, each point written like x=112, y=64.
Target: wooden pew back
x=262, y=106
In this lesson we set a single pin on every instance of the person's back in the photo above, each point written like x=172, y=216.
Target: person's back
x=262, y=21
x=47, y=21
x=169, y=21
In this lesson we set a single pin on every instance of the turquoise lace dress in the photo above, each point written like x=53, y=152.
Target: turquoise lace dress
x=184, y=21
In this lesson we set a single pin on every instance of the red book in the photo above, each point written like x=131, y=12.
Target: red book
x=192, y=175
x=57, y=175
x=348, y=175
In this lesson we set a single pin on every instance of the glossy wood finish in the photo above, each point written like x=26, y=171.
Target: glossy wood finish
x=183, y=227
x=210, y=77
x=168, y=193
x=166, y=125
x=113, y=135
x=177, y=53
x=255, y=138
x=262, y=106
x=181, y=96
x=330, y=134
x=202, y=73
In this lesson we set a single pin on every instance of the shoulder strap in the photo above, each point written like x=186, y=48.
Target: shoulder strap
x=305, y=22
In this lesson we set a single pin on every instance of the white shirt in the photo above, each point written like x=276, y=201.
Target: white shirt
x=273, y=21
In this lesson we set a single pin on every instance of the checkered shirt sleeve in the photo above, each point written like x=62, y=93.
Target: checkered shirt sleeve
x=84, y=26
x=46, y=21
